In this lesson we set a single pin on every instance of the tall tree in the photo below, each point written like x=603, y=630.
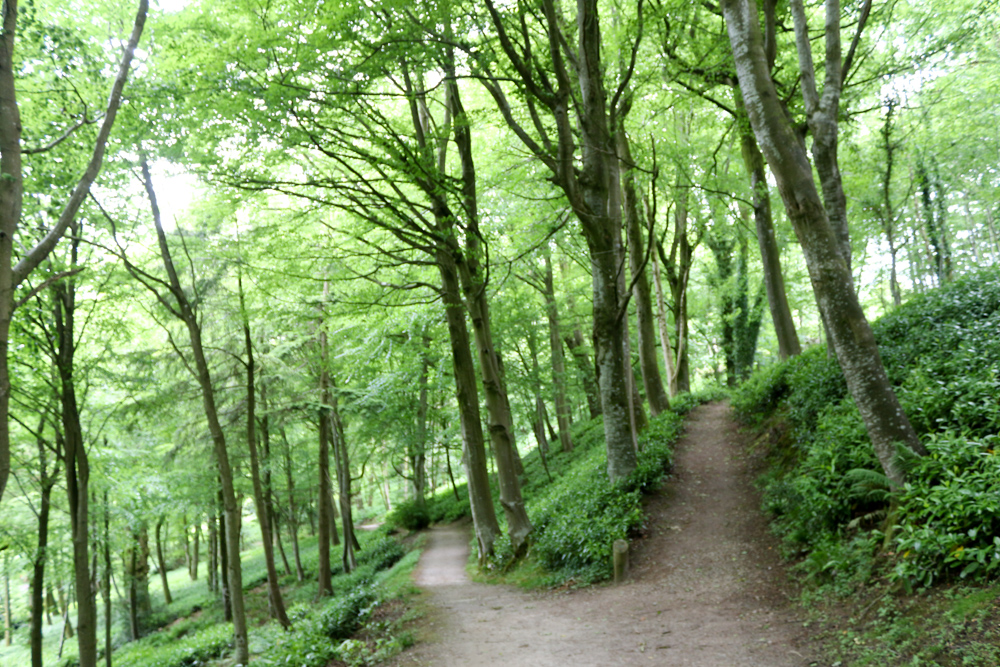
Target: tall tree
x=12, y=274
x=820, y=222
x=576, y=144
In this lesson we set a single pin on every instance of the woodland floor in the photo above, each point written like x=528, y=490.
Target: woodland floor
x=706, y=586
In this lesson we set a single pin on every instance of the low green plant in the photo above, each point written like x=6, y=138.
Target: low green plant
x=190, y=651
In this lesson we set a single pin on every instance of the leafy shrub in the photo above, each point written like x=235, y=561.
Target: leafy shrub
x=578, y=544
x=409, y=515
x=942, y=353
x=343, y=615
x=305, y=645
x=950, y=512
x=382, y=553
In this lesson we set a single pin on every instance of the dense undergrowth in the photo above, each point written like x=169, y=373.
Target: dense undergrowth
x=576, y=512
x=831, y=503
x=194, y=633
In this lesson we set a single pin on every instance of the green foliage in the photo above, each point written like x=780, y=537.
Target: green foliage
x=381, y=553
x=950, y=512
x=343, y=615
x=190, y=651
x=942, y=353
x=577, y=544
x=409, y=515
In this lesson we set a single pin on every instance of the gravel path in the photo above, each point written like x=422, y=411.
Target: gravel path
x=706, y=586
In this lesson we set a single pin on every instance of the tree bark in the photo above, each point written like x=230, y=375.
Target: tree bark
x=293, y=514
x=558, y=358
x=828, y=266
x=47, y=480
x=324, y=575
x=770, y=254
x=276, y=603
x=342, y=461
x=467, y=394
x=162, y=564
x=501, y=422
x=77, y=463
x=641, y=295
x=184, y=310
x=590, y=184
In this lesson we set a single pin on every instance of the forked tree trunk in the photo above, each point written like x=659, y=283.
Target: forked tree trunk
x=501, y=422
x=467, y=394
x=828, y=266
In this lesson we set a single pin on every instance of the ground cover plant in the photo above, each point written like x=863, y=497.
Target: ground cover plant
x=833, y=506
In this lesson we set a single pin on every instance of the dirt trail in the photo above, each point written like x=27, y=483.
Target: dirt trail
x=706, y=586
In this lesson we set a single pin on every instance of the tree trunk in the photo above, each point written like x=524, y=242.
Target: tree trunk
x=77, y=464
x=195, y=554
x=162, y=564
x=558, y=359
x=323, y=499
x=213, y=554
x=185, y=311
x=418, y=451
x=8, y=625
x=106, y=581
x=770, y=254
x=276, y=603
x=293, y=514
x=47, y=481
x=342, y=462
x=829, y=268
x=641, y=295
x=474, y=450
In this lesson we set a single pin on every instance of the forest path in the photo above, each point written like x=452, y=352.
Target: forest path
x=706, y=587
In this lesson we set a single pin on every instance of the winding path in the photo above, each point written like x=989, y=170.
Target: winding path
x=706, y=587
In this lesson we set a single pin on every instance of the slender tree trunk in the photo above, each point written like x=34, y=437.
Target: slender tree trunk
x=77, y=464
x=342, y=461
x=223, y=579
x=293, y=514
x=195, y=555
x=558, y=359
x=213, y=554
x=418, y=451
x=770, y=254
x=47, y=481
x=161, y=563
x=325, y=506
x=133, y=592
x=641, y=295
x=106, y=581
x=829, y=268
x=276, y=602
x=185, y=311
x=474, y=450
x=8, y=624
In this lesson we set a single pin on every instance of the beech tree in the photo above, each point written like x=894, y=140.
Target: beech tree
x=821, y=222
